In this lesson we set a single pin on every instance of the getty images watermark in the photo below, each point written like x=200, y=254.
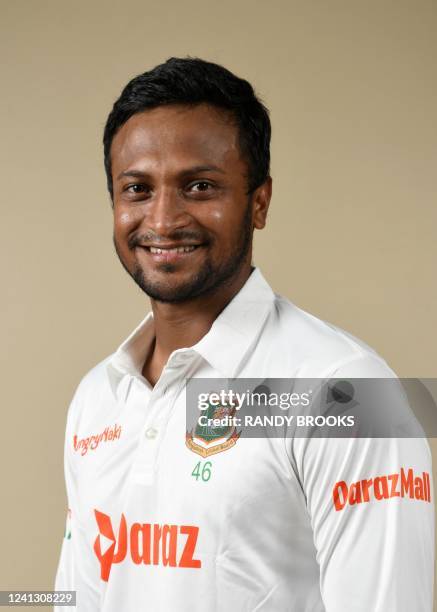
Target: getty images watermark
x=224, y=408
x=310, y=407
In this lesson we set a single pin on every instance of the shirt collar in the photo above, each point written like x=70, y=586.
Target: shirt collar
x=130, y=355
x=238, y=326
x=224, y=347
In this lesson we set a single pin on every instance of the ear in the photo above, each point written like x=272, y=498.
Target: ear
x=261, y=200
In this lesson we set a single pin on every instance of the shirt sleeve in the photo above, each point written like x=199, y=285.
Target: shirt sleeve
x=64, y=580
x=371, y=506
x=65, y=574
x=77, y=570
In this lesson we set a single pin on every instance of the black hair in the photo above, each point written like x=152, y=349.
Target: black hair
x=193, y=81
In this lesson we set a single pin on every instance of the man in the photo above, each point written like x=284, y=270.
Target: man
x=162, y=520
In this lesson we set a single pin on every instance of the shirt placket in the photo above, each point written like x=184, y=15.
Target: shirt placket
x=159, y=403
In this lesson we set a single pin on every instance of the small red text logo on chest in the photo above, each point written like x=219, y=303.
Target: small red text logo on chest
x=92, y=442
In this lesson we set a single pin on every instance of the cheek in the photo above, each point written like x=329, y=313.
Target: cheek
x=226, y=219
x=125, y=222
x=219, y=214
x=125, y=225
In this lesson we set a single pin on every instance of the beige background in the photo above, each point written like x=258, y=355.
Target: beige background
x=351, y=235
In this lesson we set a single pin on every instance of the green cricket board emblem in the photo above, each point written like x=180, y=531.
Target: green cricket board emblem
x=207, y=439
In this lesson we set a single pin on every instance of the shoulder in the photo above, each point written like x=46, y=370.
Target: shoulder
x=95, y=379
x=323, y=347
x=93, y=388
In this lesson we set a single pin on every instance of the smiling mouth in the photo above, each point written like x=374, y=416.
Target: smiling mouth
x=182, y=249
x=171, y=255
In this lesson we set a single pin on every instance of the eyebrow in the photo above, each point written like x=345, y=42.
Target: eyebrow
x=187, y=172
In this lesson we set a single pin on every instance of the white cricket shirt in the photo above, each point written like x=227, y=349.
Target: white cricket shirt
x=264, y=525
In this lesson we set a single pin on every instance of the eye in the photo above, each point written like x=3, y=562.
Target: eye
x=136, y=188
x=201, y=186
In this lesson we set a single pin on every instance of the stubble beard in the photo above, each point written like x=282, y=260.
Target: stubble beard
x=208, y=279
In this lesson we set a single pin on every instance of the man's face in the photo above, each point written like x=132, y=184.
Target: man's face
x=183, y=221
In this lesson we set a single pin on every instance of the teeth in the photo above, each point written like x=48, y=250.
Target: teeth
x=185, y=249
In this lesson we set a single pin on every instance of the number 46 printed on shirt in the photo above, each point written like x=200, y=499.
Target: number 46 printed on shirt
x=202, y=471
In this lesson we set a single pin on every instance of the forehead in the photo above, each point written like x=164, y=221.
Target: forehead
x=199, y=134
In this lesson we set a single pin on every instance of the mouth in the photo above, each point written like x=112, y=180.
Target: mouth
x=171, y=254
x=181, y=249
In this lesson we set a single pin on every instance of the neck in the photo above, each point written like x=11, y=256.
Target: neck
x=183, y=324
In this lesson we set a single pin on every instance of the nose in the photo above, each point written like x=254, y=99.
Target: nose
x=166, y=212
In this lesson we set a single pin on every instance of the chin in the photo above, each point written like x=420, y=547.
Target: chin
x=169, y=289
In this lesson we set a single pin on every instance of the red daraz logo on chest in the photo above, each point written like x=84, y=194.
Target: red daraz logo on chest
x=149, y=544
x=402, y=484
